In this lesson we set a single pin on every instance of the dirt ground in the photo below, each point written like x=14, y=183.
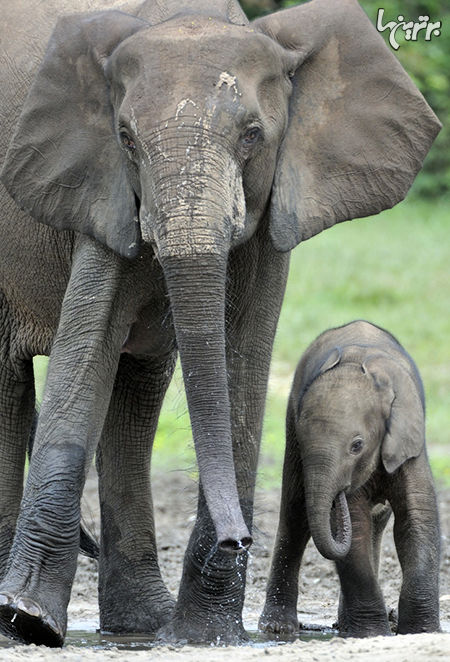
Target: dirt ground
x=175, y=499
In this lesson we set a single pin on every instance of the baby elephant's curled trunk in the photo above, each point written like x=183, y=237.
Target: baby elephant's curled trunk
x=330, y=525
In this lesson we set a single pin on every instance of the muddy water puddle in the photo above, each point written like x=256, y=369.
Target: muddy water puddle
x=84, y=639
x=92, y=639
x=95, y=640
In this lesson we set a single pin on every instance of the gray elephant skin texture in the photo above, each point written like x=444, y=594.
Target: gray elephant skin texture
x=355, y=452
x=159, y=162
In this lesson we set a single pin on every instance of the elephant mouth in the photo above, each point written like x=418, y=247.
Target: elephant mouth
x=341, y=526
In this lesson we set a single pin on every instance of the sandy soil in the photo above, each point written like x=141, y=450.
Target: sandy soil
x=175, y=499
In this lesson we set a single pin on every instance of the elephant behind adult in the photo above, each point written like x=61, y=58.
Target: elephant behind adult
x=173, y=155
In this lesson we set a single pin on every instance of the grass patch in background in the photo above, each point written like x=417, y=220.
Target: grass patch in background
x=392, y=270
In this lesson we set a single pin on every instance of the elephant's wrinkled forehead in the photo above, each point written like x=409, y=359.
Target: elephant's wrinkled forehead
x=174, y=66
x=344, y=395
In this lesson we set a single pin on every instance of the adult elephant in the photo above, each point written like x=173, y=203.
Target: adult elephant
x=173, y=155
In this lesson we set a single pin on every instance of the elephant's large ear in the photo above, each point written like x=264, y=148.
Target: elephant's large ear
x=358, y=127
x=405, y=427
x=64, y=165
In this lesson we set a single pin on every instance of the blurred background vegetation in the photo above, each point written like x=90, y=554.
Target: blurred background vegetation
x=393, y=269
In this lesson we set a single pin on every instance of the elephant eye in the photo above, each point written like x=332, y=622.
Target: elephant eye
x=251, y=136
x=356, y=446
x=127, y=141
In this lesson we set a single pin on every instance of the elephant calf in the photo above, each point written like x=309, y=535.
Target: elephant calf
x=354, y=440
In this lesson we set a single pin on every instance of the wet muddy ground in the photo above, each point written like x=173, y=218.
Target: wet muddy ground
x=175, y=502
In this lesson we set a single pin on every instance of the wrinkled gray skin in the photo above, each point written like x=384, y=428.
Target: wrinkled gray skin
x=355, y=435
x=166, y=159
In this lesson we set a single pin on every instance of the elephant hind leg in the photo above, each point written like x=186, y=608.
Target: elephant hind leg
x=132, y=594
x=17, y=400
x=381, y=514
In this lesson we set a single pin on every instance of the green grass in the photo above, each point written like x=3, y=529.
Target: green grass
x=393, y=270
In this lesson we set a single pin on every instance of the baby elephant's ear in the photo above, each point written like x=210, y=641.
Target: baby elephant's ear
x=310, y=368
x=358, y=127
x=331, y=361
x=64, y=165
x=405, y=426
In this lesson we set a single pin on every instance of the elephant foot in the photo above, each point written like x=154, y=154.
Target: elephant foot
x=194, y=627
x=365, y=632
x=419, y=626
x=211, y=597
x=24, y=620
x=124, y=617
x=361, y=630
x=276, y=619
x=366, y=621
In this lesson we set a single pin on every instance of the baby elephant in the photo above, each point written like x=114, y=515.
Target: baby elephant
x=355, y=439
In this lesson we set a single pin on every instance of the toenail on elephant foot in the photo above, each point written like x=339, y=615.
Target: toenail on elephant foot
x=24, y=620
x=278, y=621
x=276, y=627
x=273, y=626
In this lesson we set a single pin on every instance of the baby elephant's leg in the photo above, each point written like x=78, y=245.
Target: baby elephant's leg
x=362, y=611
x=280, y=610
x=380, y=517
x=417, y=538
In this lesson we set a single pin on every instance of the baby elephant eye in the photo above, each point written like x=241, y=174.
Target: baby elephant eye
x=251, y=136
x=127, y=141
x=356, y=446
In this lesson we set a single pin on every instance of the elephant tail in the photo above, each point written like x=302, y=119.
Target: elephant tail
x=88, y=545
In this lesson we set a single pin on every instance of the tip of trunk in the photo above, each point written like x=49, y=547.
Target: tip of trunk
x=232, y=534
x=233, y=546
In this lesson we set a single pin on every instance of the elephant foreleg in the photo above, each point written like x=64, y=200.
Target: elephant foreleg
x=362, y=611
x=417, y=538
x=211, y=596
x=280, y=610
x=132, y=594
x=35, y=591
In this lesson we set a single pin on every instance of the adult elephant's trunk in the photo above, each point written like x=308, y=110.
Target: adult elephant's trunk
x=328, y=514
x=195, y=208
x=196, y=286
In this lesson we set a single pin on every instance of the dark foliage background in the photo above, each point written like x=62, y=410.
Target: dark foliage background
x=428, y=63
